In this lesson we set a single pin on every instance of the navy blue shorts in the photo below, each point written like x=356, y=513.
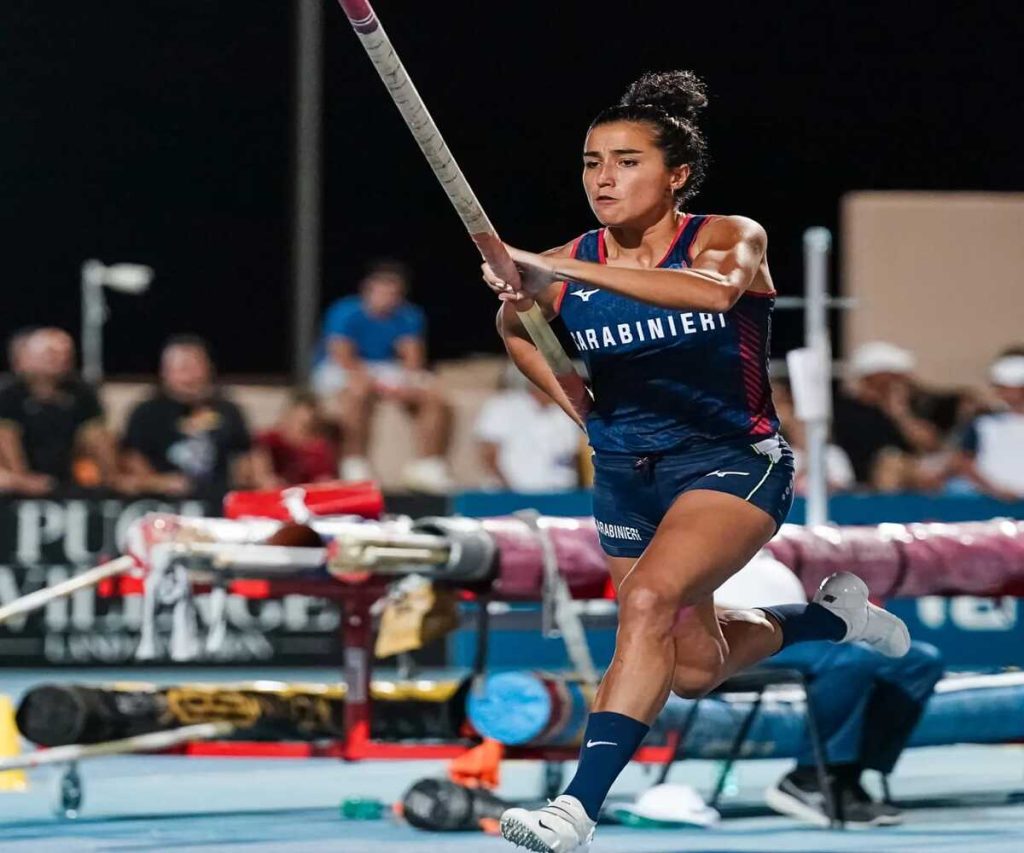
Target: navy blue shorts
x=633, y=493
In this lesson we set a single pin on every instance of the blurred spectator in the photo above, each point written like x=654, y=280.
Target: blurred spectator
x=947, y=410
x=51, y=423
x=876, y=425
x=297, y=448
x=866, y=704
x=527, y=444
x=991, y=454
x=838, y=470
x=373, y=348
x=186, y=437
x=16, y=346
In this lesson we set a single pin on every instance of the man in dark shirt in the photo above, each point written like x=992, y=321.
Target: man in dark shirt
x=874, y=423
x=186, y=437
x=864, y=431
x=51, y=423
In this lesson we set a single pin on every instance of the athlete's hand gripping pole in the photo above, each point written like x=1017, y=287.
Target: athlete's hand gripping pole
x=378, y=47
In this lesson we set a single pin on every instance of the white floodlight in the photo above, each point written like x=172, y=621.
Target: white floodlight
x=124, y=278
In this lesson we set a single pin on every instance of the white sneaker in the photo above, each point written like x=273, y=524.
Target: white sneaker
x=846, y=595
x=355, y=468
x=430, y=475
x=559, y=827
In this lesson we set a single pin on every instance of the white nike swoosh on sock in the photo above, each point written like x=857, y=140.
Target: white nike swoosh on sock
x=591, y=743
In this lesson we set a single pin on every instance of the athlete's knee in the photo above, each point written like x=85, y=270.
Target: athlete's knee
x=646, y=609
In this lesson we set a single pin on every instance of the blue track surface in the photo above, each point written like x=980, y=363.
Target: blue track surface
x=960, y=798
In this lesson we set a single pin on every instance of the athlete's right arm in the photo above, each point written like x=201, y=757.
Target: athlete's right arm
x=520, y=347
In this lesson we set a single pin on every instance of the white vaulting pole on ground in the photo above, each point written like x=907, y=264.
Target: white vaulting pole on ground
x=152, y=742
x=42, y=597
x=439, y=156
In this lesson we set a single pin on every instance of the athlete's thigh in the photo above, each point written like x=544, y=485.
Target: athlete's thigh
x=704, y=538
x=697, y=630
x=619, y=567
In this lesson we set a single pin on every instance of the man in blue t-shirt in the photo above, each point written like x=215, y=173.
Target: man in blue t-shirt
x=372, y=347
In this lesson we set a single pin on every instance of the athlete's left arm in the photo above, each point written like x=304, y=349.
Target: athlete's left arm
x=730, y=254
x=733, y=250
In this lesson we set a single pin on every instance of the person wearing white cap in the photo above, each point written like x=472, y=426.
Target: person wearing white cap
x=991, y=454
x=873, y=421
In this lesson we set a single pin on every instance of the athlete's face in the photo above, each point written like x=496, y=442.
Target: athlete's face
x=625, y=176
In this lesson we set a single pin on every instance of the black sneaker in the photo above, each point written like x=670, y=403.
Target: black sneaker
x=886, y=813
x=797, y=796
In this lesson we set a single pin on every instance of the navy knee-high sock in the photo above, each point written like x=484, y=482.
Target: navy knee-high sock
x=801, y=623
x=608, y=744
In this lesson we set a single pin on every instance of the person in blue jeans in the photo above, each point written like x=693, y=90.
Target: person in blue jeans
x=866, y=706
x=865, y=703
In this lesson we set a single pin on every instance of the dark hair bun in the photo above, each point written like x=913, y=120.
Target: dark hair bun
x=681, y=94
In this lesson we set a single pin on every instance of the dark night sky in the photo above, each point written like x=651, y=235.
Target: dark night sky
x=158, y=131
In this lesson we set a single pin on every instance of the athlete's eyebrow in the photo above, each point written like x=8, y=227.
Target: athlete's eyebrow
x=614, y=151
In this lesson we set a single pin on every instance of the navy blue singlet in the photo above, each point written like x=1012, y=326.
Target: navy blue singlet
x=663, y=379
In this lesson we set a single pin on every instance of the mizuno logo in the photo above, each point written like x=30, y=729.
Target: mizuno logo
x=727, y=473
x=584, y=295
x=591, y=743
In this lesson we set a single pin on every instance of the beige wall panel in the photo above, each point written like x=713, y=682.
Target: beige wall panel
x=941, y=274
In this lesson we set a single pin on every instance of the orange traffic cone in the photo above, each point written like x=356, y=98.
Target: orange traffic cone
x=479, y=767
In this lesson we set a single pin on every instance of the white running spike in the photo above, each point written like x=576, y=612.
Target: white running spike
x=846, y=595
x=562, y=826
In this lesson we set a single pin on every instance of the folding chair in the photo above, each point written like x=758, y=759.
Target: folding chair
x=756, y=681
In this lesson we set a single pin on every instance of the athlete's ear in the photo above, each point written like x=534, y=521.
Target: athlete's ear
x=679, y=176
